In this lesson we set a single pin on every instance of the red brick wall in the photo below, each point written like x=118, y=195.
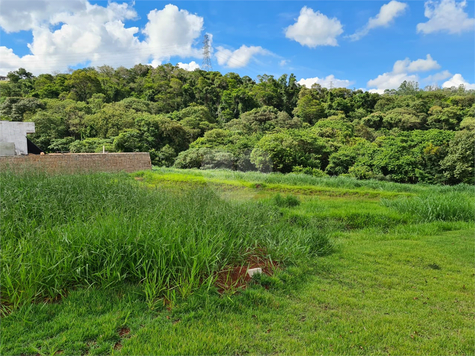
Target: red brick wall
x=79, y=162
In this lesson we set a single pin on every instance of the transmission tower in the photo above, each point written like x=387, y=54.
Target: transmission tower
x=206, y=65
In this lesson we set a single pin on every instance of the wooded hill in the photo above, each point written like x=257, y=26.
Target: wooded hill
x=202, y=119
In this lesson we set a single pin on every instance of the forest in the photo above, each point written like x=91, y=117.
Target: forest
x=204, y=119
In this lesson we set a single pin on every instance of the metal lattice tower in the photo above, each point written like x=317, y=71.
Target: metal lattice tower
x=206, y=65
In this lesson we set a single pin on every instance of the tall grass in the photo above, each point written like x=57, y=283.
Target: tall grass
x=287, y=201
x=303, y=179
x=440, y=205
x=64, y=231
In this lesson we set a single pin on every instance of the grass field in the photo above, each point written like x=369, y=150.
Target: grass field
x=108, y=264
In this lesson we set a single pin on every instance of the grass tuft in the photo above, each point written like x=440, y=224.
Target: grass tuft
x=436, y=206
x=288, y=201
x=103, y=230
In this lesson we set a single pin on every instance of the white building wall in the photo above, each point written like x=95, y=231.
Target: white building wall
x=15, y=132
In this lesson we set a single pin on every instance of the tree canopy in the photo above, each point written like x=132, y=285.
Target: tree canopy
x=200, y=119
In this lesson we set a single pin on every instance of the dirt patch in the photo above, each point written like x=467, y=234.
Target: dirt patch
x=123, y=333
x=234, y=277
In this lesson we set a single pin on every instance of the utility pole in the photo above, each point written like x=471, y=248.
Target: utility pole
x=206, y=65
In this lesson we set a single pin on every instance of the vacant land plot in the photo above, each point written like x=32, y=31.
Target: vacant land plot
x=108, y=264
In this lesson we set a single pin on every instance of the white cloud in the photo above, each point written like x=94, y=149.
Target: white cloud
x=188, y=66
x=391, y=80
x=419, y=65
x=433, y=79
x=96, y=35
x=240, y=57
x=314, y=29
x=456, y=81
x=378, y=91
x=284, y=62
x=400, y=73
x=447, y=16
x=17, y=15
x=171, y=32
x=327, y=82
x=384, y=18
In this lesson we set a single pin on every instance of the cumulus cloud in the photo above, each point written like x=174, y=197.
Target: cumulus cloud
x=314, y=29
x=419, y=65
x=456, y=81
x=446, y=16
x=435, y=78
x=240, y=57
x=378, y=91
x=76, y=32
x=171, y=32
x=188, y=66
x=400, y=73
x=384, y=18
x=27, y=14
x=391, y=80
x=328, y=82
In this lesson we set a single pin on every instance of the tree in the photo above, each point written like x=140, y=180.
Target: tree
x=19, y=74
x=48, y=127
x=20, y=109
x=309, y=109
x=289, y=148
x=458, y=165
x=403, y=118
x=110, y=120
x=408, y=88
x=341, y=161
x=447, y=118
x=334, y=127
x=84, y=83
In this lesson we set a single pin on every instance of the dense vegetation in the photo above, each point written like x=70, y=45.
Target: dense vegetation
x=61, y=232
x=363, y=266
x=205, y=119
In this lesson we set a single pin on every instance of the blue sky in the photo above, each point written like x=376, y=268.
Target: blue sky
x=373, y=45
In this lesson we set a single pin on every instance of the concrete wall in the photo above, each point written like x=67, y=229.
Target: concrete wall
x=15, y=132
x=79, y=162
x=7, y=149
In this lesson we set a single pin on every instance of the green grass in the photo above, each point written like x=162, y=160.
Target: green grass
x=296, y=184
x=372, y=297
x=293, y=179
x=288, y=201
x=450, y=206
x=60, y=232
x=397, y=281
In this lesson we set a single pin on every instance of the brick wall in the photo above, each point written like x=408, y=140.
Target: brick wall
x=79, y=162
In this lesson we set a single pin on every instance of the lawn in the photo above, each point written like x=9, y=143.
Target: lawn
x=361, y=267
